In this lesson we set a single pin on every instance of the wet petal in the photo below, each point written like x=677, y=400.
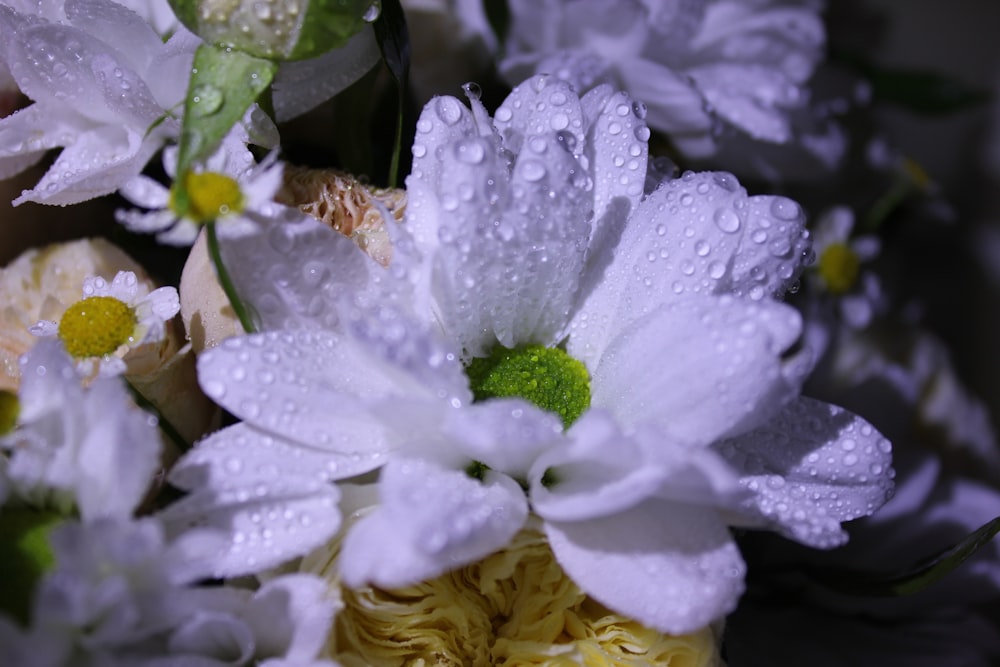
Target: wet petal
x=811, y=467
x=669, y=566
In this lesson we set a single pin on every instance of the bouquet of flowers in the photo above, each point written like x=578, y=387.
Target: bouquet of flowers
x=435, y=334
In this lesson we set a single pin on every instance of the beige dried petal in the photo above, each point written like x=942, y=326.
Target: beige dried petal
x=346, y=204
x=208, y=317
x=514, y=607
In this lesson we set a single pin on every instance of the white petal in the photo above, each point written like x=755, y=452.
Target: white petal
x=121, y=153
x=290, y=617
x=812, y=467
x=222, y=638
x=431, y=520
x=27, y=133
x=315, y=387
x=129, y=33
x=295, y=269
x=304, y=84
x=598, y=472
x=265, y=524
x=773, y=249
x=146, y=192
x=505, y=434
x=674, y=104
x=240, y=455
x=700, y=368
x=754, y=98
x=680, y=240
x=669, y=566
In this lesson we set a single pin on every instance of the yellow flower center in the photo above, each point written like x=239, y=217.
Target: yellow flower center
x=9, y=408
x=96, y=326
x=838, y=267
x=207, y=196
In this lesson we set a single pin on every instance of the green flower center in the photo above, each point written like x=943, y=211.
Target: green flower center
x=839, y=267
x=96, y=326
x=9, y=409
x=206, y=196
x=548, y=377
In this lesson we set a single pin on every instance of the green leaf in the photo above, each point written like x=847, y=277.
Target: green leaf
x=916, y=578
x=25, y=556
x=394, y=43
x=224, y=83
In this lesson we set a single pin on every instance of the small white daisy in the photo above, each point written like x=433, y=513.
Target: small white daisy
x=839, y=268
x=111, y=321
x=230, y=188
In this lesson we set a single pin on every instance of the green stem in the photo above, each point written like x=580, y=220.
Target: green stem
x=394, y=165
x=225, y=281
x=162, y=421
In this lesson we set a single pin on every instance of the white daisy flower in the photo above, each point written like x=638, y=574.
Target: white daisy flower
x=839, y=268
x=230, y=188
x=73, y=447
x=530, y=289
x=692, y=63
x=112, y=320
x=104, y=86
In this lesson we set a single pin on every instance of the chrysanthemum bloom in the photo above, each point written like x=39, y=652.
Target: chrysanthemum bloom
x=542, y=341
x=513, y=607
x=694, y=64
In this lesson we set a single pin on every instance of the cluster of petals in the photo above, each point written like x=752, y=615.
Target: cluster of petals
x=105, y=88
x=694, y=63
x=531, y=227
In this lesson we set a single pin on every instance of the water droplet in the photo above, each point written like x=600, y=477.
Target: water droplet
x=702, y=248
x=469, y=151
x=727, y=220
x=206, y=99
x=449, y=110
x=784, y=208
x=614, y=128
x=716, y=270
x=472, y=90
x=532, y=170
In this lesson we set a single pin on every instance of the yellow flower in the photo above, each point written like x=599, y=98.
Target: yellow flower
x=515, y=607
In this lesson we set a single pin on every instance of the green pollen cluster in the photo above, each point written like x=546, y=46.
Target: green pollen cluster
x=96, y=326
x=548, y=377
x=839, y=266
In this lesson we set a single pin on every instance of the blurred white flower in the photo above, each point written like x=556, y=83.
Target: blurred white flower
x=121, y=594
x=645, y=327
x=109, y=104
x=840, y=267
x=73, y=447
x=693, y=63
x=111, y=321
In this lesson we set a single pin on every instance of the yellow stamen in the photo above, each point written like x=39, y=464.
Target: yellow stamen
x=96, y=326
x=209, y=196
x=839, y=267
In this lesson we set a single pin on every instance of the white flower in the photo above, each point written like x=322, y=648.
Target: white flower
x=692, y=63
x=230, y=188
x=840, y=263
x=123, y=594
x=525, y=242
x=107, y=103
x=112, y=320
x=88, y=448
